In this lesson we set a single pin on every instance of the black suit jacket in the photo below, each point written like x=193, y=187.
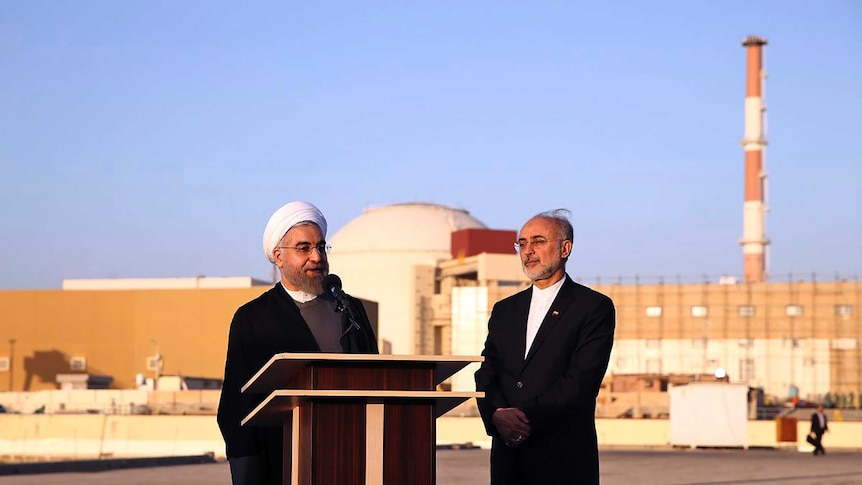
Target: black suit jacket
x=269, y=325
x=555, y=385
x=815, y=424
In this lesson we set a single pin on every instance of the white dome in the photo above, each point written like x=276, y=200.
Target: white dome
x=403, y=227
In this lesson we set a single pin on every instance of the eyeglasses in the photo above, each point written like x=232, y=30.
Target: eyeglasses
x=306, y=248
x=536, y=242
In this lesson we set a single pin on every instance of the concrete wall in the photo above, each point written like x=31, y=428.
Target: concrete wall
x=45, y=437
x=120, y=401
x=655, y=433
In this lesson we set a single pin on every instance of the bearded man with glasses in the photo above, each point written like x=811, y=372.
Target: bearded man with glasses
x=296, y=315
x=546, y=353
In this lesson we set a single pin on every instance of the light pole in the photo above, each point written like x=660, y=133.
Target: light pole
x=157, y=367
x=11, y=363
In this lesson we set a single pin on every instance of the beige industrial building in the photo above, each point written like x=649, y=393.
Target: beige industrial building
x=790, y=338
x=432, y=294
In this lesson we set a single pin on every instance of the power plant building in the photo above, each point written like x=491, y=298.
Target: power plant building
x=790, y=338
x=430, y=275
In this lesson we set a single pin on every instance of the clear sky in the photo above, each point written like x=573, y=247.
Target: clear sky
x=155, y=138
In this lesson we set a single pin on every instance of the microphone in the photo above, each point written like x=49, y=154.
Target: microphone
x=332, y=285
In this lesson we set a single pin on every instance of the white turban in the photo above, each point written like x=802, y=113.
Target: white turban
x=285, y=218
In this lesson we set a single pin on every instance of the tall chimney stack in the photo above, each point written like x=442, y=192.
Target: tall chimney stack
x=754, y=239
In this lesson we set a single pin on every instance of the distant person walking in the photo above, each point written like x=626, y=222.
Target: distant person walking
x=819, y=425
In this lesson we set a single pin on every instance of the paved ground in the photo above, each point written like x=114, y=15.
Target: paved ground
x=469, y=467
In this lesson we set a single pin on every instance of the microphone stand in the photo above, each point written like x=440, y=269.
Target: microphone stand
x=342, y=305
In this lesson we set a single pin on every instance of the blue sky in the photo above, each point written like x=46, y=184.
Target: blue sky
x=154, y=139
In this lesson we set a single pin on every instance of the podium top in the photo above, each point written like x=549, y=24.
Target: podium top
x=281, y=368
x=273, y=410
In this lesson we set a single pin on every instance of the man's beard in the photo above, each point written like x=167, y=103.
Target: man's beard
x=541, y=270
x=312, y=284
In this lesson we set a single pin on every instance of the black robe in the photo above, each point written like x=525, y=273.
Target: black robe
x=268, y=325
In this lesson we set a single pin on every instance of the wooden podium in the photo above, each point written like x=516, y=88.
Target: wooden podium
x=356, y=419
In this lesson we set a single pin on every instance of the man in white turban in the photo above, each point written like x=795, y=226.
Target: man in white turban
x=307, y=223
x=296, y=315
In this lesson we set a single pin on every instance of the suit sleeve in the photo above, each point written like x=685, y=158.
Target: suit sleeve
x=579, y=386
x=233, y=405
x=487, y=378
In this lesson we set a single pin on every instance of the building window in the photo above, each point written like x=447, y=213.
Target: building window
x=746, y=310
x=791, y=342
x=843, y=344
x=653, y=366
x=746, y=369
x=653, y=343
x=746, y=343
x=653, y=311
x=698, y=343
x=794, y=310
x=78, y=364
x=843, y=311
x=699, y=311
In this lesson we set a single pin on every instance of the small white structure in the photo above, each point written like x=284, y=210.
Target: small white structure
x=70, y=382
x=709, y=414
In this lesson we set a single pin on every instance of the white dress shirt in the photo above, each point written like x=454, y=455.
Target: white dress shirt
x=298, y=295
x=540, y=303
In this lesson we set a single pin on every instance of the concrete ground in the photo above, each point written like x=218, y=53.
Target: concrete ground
x=469, y=467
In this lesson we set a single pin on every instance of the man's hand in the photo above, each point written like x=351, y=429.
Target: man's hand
x=512, y=424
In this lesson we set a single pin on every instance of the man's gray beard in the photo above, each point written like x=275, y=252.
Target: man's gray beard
x=309, y=284
x=543, y=271
x=537, y=274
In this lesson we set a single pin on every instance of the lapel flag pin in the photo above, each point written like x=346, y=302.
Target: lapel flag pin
x=555, y=313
